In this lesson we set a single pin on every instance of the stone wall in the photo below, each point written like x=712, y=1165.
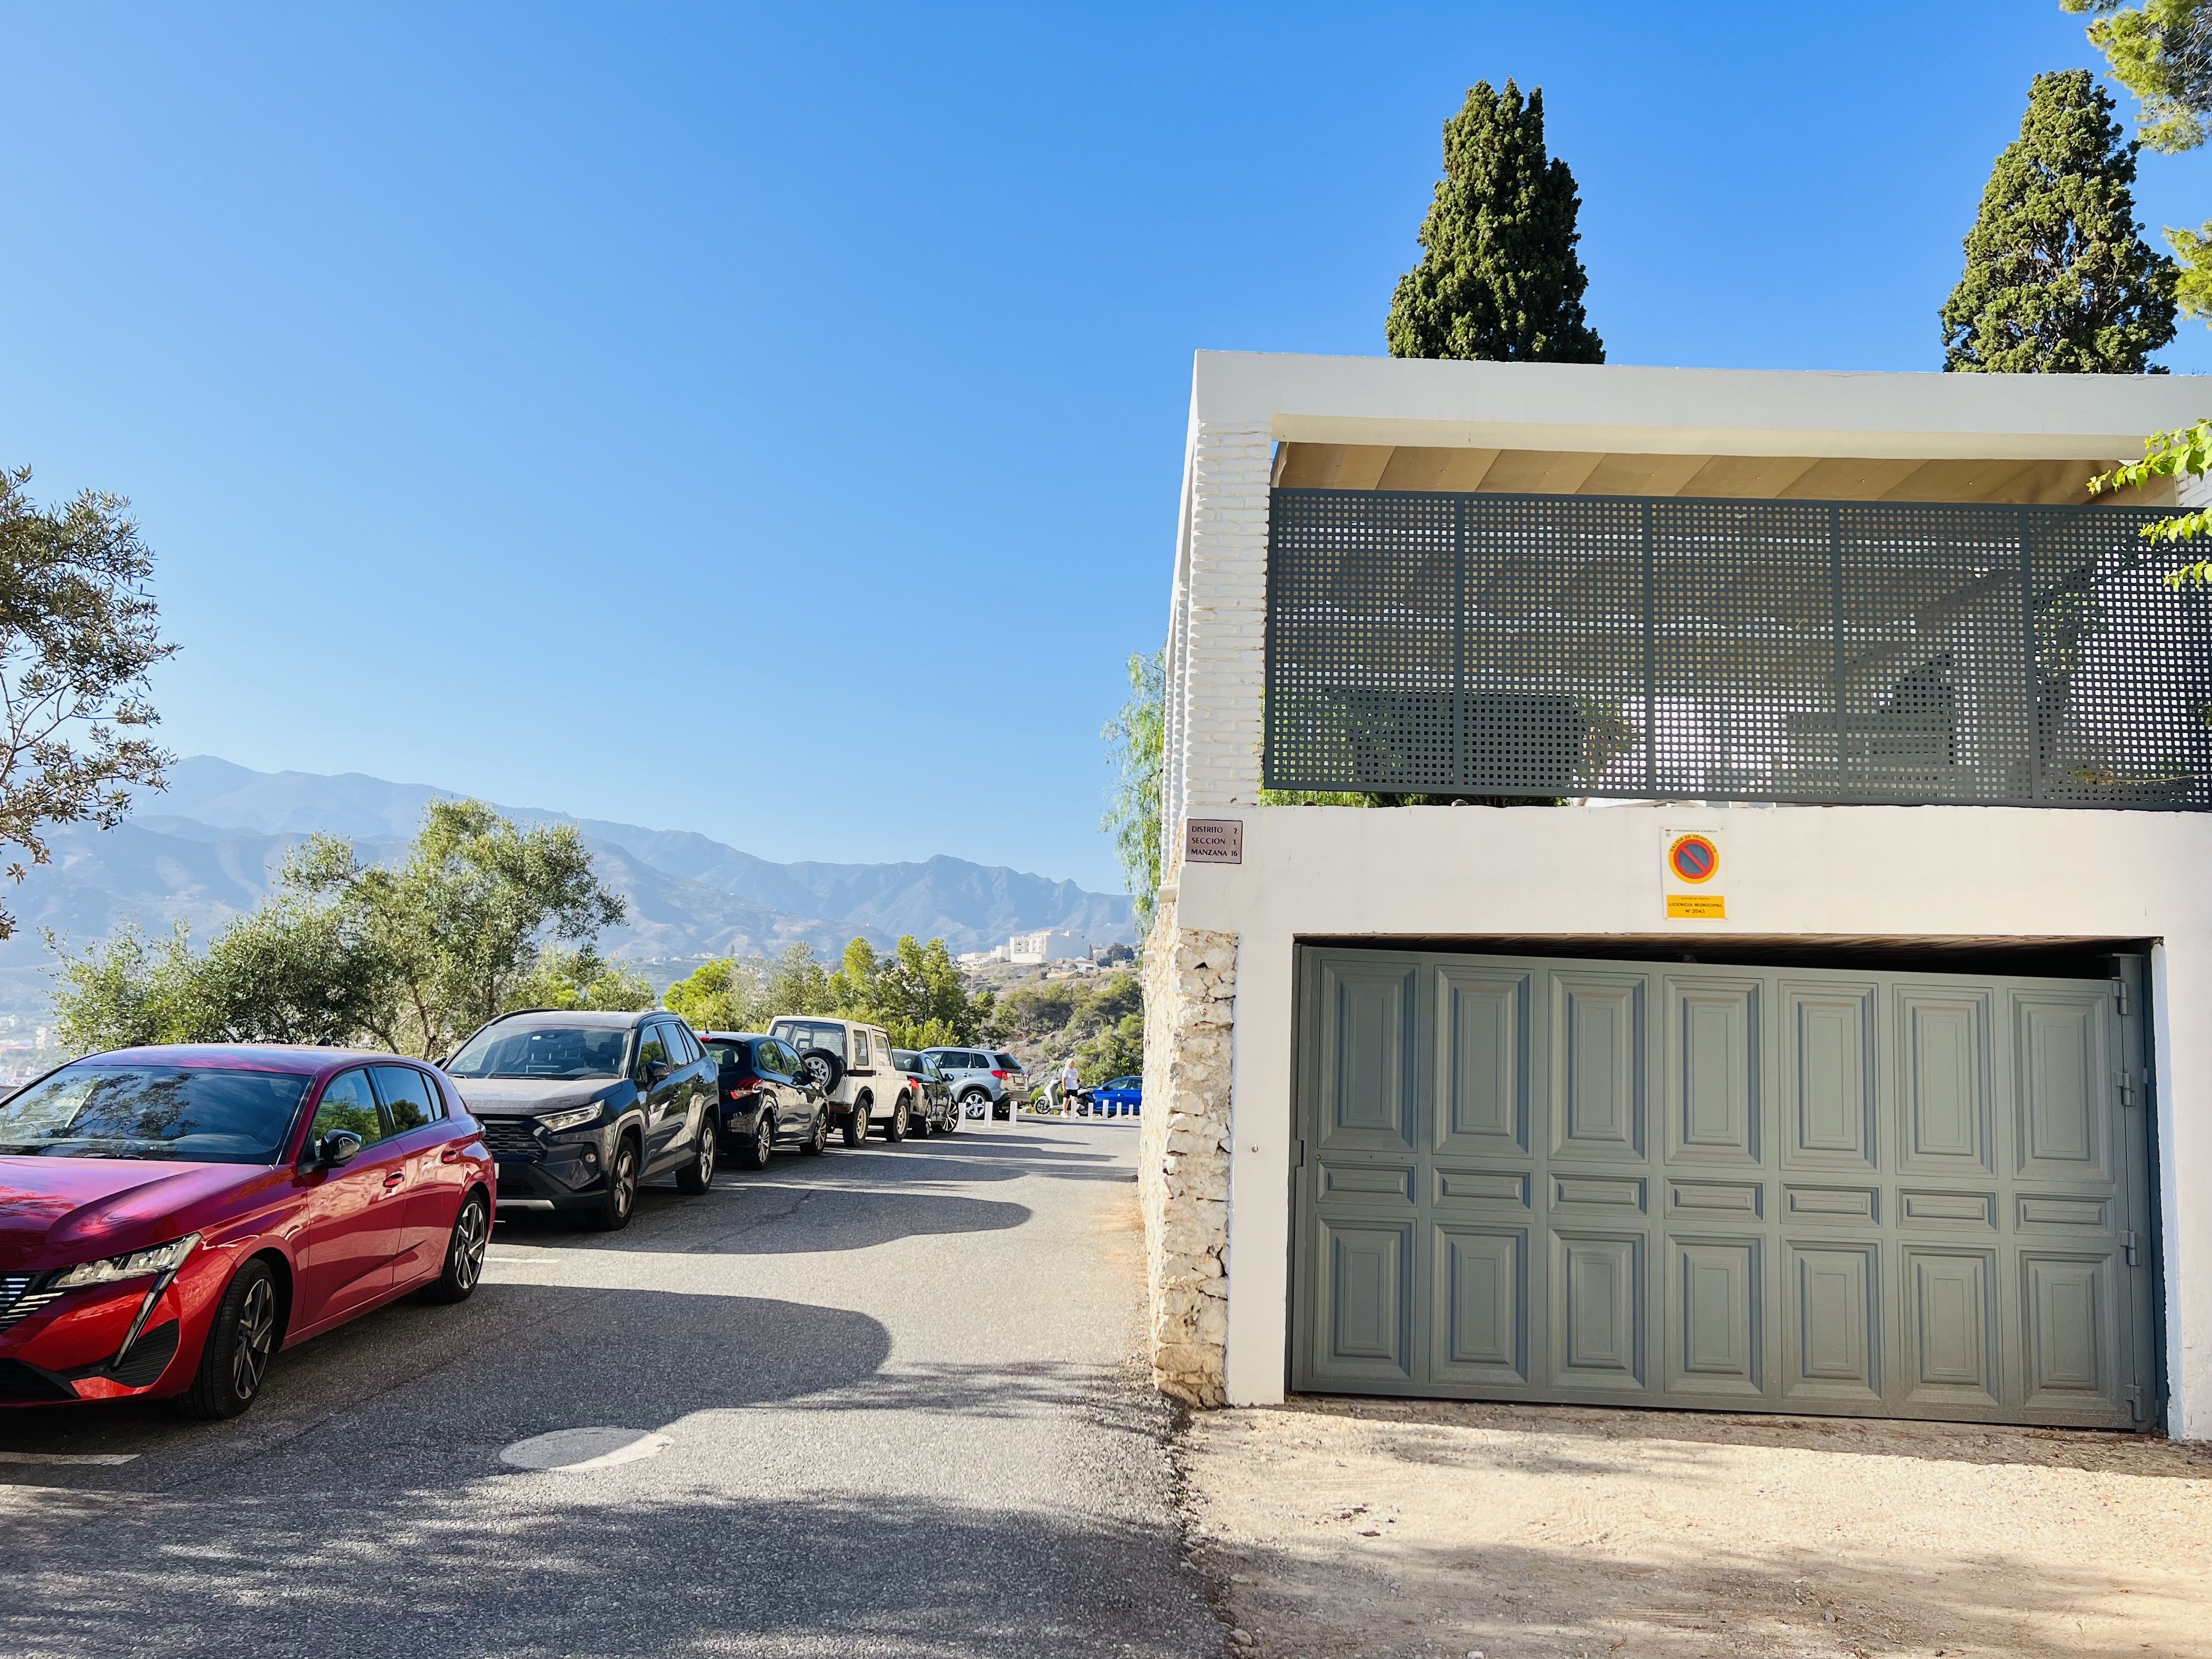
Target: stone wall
x=1190, y=990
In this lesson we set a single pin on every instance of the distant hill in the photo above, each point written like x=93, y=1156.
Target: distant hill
x=209, y=846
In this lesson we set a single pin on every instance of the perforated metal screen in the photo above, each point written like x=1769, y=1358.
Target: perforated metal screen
x=1795, y=651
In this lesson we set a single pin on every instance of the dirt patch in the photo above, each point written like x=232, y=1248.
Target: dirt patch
x=1335, y=1528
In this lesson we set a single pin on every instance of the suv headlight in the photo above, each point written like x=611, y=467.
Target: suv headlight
x=138, y=1264
x=552, y=1122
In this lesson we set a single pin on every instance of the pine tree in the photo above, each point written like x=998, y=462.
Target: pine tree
x=2059, y=280
x=1499, y=278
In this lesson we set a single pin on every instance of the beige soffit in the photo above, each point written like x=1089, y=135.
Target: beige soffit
x=1755, y=477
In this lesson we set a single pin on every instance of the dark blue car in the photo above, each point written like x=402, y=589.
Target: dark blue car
x=1118, y=1096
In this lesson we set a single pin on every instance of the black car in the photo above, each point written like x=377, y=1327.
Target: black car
x=933, y=1110
x=765, y=1096
x=579, y=1108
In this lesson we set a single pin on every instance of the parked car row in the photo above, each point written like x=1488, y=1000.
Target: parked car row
x=171, y=1217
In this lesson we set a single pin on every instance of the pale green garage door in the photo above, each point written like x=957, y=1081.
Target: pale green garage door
x=1641, y=1183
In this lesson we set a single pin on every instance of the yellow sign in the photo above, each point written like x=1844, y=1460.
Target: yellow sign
x=1692, y=874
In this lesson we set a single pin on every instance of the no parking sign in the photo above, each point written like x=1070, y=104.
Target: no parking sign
x=1692, y=862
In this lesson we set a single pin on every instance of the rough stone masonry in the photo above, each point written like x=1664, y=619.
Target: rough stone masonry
x=1190, y=992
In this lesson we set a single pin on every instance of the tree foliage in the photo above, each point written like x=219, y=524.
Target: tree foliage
x=464, y=924
x=914, y=991
x=2059, y=279
x=478, y=918
x=2162, y=52
x=1499, y=278
x=721, y=995
x=78, y=633
x=2185, y=452
x=1136, y=741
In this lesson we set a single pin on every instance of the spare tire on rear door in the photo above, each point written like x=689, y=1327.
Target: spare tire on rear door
x=828, y=1069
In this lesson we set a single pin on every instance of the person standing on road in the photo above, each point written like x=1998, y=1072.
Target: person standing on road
x=1070, y=1079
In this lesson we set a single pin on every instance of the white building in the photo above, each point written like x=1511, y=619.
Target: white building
x=1836, y=1045
x=1049, y=944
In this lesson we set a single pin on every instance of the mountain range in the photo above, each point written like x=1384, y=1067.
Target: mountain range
x=208, y=846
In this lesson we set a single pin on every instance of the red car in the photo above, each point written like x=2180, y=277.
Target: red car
x=170, y=1216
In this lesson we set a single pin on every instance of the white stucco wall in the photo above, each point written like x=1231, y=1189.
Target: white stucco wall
x=1855, y=871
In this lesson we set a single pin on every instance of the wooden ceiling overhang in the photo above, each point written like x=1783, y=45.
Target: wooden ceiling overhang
x=1308, y=465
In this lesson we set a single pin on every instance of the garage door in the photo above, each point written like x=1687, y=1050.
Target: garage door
x=1771, y=1189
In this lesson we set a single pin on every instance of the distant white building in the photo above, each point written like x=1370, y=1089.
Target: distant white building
x=1049, y=944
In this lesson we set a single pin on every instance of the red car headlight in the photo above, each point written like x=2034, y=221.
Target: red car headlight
x=137, y=1264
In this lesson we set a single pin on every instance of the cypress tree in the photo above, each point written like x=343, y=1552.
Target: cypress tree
x=1498, y=278
x=2059, y=280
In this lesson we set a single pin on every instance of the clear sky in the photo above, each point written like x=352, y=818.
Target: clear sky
x=768, y=421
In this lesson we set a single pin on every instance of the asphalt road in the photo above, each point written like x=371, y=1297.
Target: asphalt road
x=898, y=1414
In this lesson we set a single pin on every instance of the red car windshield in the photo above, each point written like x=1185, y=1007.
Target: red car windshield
x=168, y=1112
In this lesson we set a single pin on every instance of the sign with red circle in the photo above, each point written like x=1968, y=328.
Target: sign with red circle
x=1693, y=858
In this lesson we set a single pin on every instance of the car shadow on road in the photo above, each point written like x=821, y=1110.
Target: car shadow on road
x=999, y=1158
x=785, y=1217
x=416, y=1385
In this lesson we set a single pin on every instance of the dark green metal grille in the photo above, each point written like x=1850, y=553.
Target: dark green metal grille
x=1548, y=646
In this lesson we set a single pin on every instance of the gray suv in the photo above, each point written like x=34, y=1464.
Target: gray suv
x=981, y=1077
x=580, y=1108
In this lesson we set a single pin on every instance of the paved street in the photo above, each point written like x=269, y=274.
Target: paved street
x=900, y=1411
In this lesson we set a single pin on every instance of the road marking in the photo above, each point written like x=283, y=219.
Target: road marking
x=578, y=1451
x=101, y=1460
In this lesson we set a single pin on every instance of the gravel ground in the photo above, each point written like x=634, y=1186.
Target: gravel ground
x=886, y=1399
x=1336, y=1528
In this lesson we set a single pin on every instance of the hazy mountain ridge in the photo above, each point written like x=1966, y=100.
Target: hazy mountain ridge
x=972, y=905
x=211, y=844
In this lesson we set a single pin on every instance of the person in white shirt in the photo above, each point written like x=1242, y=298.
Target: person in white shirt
x=1070, y=1080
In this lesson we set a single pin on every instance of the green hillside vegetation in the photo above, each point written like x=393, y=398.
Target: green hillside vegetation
x=1102, y=1025
x=914, y=991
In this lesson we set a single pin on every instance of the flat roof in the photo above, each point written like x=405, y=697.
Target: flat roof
x=1628, y=409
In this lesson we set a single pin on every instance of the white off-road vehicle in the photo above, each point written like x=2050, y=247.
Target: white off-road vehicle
x=859, y=1077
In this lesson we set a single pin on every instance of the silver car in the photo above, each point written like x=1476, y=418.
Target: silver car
x=983, y=1078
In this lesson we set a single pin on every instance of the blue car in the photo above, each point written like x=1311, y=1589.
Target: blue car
x=1118, y=1096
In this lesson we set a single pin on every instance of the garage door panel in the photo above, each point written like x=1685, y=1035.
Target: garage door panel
x=1343, y=1180
x=1712, y=1071
x=1714, y=1307
x=1480, y=1319
x=2062, y=1214
x=2070, y=1320
x=1613, y=1196
x=1482, y=1065
x=1830, y=1108
x=1951, y=1346
x=1479, y=1189
x=1831, y=1206
x=1944, y=1083
x=1833, y=1321
x=1946, y=1212
x=1600, y=1309
x=2064, y=1092
x=1600, y=1088
x=1368, y=1058
x=1364, y=1330
x=1716, y=1200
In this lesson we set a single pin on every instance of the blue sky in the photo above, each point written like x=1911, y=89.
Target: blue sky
x=768, y=421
